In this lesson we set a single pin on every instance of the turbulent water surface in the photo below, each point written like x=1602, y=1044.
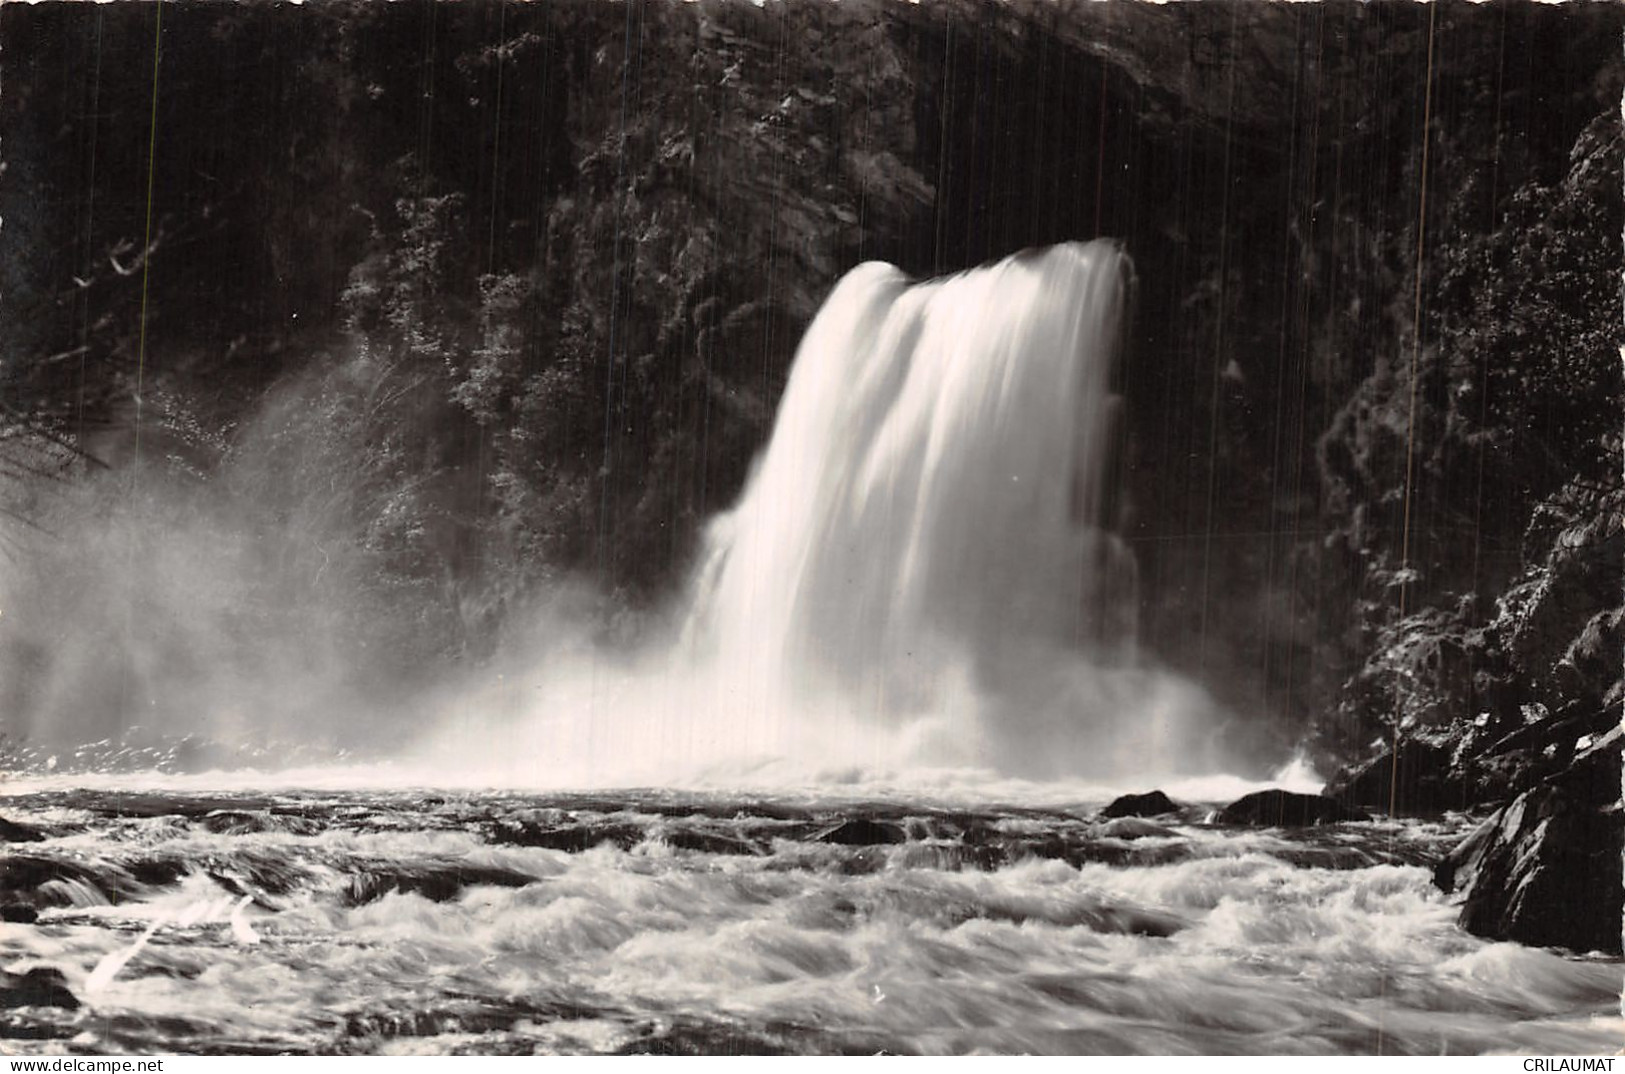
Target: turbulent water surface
x=395, y=921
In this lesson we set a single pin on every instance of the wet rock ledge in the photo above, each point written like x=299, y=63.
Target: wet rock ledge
x=1545, y=869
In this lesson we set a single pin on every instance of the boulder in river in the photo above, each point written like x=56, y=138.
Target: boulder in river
x=1150, y=804
x=1285, y=809
x=571, y=838
x=863, y=832
x=1416, y=778
x=1545, y=869
x=12, y=832
x=41, y=986
x=701, y=841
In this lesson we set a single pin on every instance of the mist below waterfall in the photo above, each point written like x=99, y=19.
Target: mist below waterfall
x=924, y=579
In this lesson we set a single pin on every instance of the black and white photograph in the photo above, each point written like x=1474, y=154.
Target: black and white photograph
x=811, y=527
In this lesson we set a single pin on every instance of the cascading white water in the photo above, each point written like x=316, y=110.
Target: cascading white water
x=920, y=578
x=932, y=512
x=935, y=486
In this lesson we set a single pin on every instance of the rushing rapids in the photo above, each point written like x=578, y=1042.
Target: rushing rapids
x=390, y=922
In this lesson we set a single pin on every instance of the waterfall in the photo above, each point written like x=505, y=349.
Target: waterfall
x=935, y=508
x=923, y=580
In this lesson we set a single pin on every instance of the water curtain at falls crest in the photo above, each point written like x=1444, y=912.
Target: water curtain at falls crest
x=936, y=487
